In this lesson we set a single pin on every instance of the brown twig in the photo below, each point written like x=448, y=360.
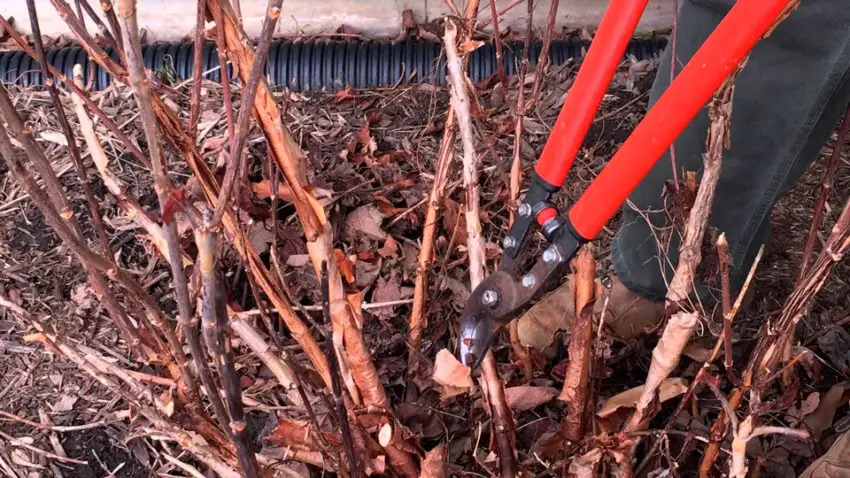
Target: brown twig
x=197, y=62
x=109, y=13
x=543, y=59
x=520, y=352
x=502, y=423
x=418, y=320
x=828, y=178
x=249, y=95
x=221, y=50
x=686, y=398
x=162, y=184
x=497, y=39
x=88, y=43
x=336, y=389
x=101, y=27
x=217, y=334
x=726, y=301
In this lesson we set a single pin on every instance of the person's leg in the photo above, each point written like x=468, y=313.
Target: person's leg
x=787, y=101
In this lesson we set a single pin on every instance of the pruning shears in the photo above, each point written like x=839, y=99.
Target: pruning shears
x=505, y=294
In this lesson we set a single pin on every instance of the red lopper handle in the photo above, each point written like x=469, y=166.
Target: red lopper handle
x=720, y=54
x=605, y=53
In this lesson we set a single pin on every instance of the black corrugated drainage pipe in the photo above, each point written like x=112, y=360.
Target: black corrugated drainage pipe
x=317, y=65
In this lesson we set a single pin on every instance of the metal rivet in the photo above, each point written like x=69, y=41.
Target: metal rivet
x=528, y=281
x=490, y=297
x=550, y=255
x=524, y=209
x=509, y=242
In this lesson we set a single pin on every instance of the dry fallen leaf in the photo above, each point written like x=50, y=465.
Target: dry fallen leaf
x=263, y=190
x=525, y=397
x=455, y=377
x=538, y=327
x=64, y=404
x=260, y=237
x=807, y=407
x=365, y=220
x=346, y=265
x=670, y=388
x=389, y=249
x=346, y=94
x=54, y=137
x=585, y=466
x=83, y=297
x=821, y=418
x=434, y=464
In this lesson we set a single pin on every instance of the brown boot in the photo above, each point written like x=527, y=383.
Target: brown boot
x=835, y=463
x=628, y=314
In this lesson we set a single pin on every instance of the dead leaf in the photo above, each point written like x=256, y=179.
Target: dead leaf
x=298, y=260
x=389, y=249
x=821, y=418
x=538, y=327
x=455, y=377
x=389, y=290
x=699, y=354
x=366, y=220
x=434, y=464
x=585, y=466
x=454, y=221
x=54, y=137
x=469, y=46
x=346, y=265
x=260, y=237
x=347, y=94
x=64, y=404
x=263, y=190
x=367, y=272
x=83, y=297
x=807, y=407
x=526, y=397
x=670, y=388
x=365, y=142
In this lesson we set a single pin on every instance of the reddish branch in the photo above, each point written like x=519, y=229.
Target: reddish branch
x=221, y=50
x=249, y=95
x=828, y=178
x=197, y=63
x=497, y=38
x=543, y=60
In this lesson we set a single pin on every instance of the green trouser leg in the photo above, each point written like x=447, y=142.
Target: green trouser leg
x=787, y=101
